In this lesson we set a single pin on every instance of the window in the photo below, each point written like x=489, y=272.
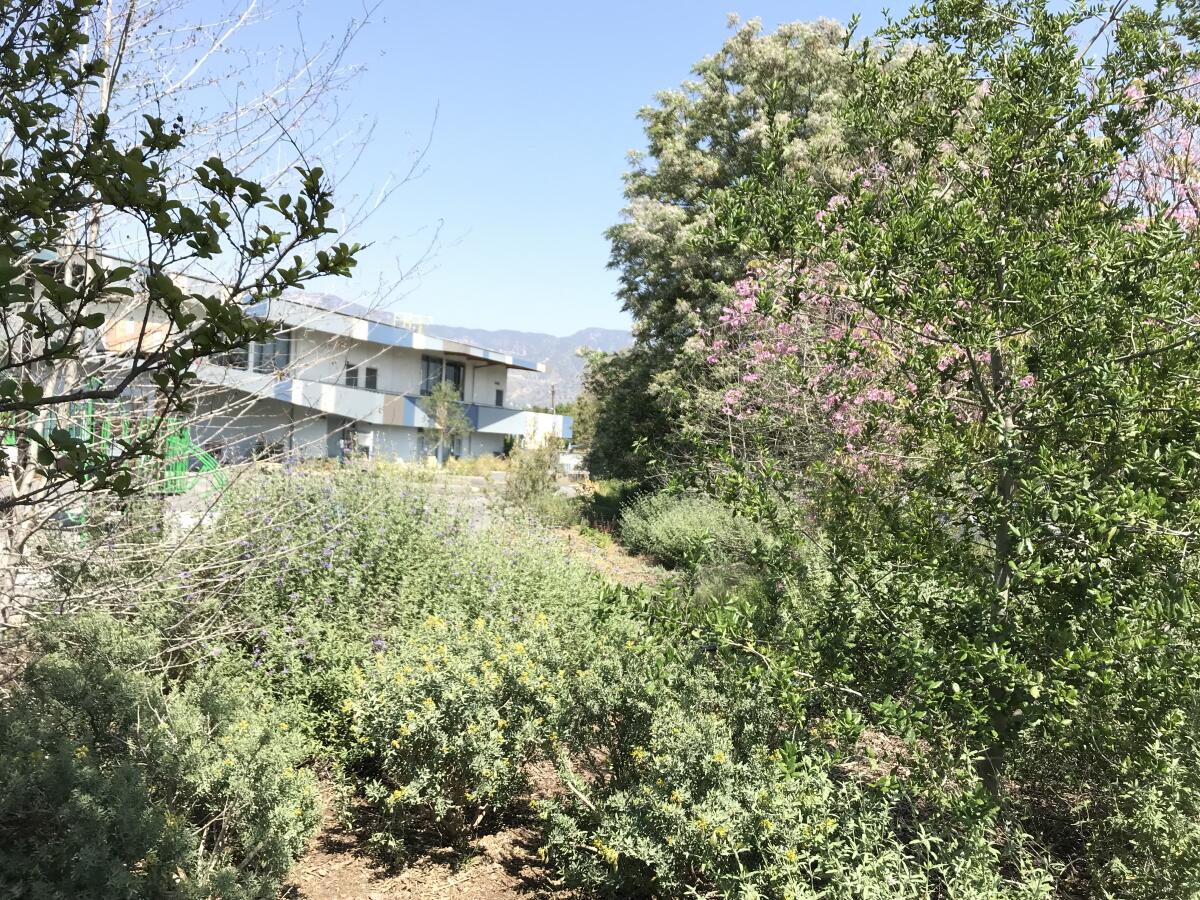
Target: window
x=273, y=354
x=435, y=370
x=234, y=359
x=499, y=396
x=371, y=379
x=351, y=375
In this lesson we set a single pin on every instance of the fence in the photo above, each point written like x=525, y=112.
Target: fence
x=179, y=465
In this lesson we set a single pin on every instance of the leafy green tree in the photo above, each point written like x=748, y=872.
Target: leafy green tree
x=447, y=416
x=618, y=411
x=81, y=326
x=785, y=87
x=1006, y=345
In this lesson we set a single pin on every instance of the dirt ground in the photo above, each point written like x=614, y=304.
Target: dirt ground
x=501, y=866
x=611, y=560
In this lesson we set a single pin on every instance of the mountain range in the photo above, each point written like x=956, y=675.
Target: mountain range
x=564, y=365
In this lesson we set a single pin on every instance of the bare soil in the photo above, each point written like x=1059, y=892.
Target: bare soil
x=500, y=866
x=612, y=561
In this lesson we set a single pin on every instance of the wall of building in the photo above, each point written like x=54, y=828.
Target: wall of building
x=394, y=442
x=484, y=444
x=232, y=429
x=484, y=382
x=321, y=357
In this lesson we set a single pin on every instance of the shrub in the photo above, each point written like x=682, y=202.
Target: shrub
x=115, y=784
x=698, y=798
x=446, y=723
x=532, y=486
x=484, y=464
x=684, y=529
x=603, y=501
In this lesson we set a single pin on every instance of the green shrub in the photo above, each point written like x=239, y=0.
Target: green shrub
x=115, y=784
x=596, y=536
x=553, y=509
x=483, y=464
x=684, y=529
x=444, y=725
x=700, y=794
x=604, y=500
x=532, y=486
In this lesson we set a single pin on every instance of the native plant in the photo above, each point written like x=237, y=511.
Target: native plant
x=995, y=353
x=118, y=782
x=778, y=90
x=684, y=529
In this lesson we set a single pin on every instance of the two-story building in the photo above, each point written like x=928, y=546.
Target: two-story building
x=334, y=381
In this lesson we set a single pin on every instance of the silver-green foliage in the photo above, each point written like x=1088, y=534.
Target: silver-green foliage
x=116, y=783
x=682, y=529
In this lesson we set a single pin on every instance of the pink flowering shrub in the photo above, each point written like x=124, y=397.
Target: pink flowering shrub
x=791, y=354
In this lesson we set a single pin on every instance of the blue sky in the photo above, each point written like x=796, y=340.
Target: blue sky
x=536, y=109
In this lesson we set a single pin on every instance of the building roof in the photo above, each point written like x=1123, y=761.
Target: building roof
x=331, y=315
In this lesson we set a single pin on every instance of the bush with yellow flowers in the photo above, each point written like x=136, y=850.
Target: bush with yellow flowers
x=445, y=722
x=702, y=796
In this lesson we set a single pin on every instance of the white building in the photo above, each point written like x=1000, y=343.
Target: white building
x=335, y=381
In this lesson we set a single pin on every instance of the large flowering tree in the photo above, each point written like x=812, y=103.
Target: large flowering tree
x=981, y=361
x=780, y=90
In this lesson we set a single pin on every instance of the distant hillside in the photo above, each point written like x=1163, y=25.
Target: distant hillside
x=564, y=368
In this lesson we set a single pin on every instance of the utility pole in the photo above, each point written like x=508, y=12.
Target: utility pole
x=553, y=405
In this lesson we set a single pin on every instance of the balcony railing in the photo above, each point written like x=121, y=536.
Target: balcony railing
x=282, y=385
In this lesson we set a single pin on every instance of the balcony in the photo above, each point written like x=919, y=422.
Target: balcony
x=376, y=407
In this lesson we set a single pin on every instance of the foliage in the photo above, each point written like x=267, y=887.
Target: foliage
x=618, y=410
x=701, y=794
x=62, y=171
x=452, y=681
x=447, y=416
x=604, y=499
x=600, y=538
x=448, y=721
x=483, y=464
x=683, y=529
x=780, y=90
x=969, y=377
x=114, y=785
x=787, y=85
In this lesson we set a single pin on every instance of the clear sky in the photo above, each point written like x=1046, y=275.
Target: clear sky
x=536, y=106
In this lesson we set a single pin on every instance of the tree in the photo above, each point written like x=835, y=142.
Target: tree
x=447, y=416
x=1004, y=343
x=617, y=409
x=780, y=90
x=81, y=327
